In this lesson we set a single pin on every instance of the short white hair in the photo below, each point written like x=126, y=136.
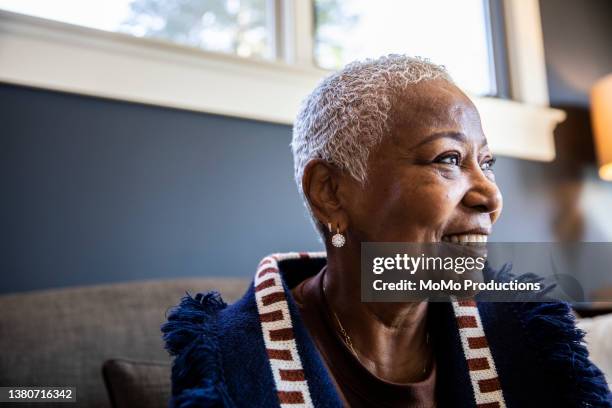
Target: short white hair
x=350, y=111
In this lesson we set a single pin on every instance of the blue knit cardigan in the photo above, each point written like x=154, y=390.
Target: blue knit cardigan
x=257, y=351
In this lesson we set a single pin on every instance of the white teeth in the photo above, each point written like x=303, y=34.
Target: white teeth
x=465, y=238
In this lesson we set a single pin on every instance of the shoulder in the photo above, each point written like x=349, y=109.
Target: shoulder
x=536, y=343
x=540, y=340
x=190, y=335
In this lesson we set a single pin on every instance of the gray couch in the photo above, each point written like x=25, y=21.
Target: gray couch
x=62, y=337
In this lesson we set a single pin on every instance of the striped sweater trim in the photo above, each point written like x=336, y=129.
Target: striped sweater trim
x=277, y=329
x=483, y=374
x=286, y=362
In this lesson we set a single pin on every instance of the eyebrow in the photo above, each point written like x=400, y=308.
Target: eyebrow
x=458, y=136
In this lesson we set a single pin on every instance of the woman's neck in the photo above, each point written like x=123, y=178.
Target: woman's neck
x=390, y=339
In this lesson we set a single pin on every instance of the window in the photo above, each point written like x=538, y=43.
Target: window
x=232, y=26
x=449, y=32
x=454, y=33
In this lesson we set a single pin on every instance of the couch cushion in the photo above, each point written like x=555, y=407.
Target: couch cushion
x=137, y=383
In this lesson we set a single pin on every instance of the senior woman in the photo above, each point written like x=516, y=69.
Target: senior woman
x=385, y=150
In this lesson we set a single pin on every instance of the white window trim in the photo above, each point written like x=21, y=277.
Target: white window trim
x=57, y=56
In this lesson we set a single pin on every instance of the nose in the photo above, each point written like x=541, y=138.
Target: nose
x=483, y=196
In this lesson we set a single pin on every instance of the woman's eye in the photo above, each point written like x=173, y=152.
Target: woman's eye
x=452, y=159
x=488, y=165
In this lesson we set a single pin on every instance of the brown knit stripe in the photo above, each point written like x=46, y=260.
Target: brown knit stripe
x=271, y=316
x=475, y=364
x=477, y=342
x=265, y=284
x=466, y=322
x=275, y=354
x=488, y=405
x=467, y=303
x=292, y=375
x=273, y=298
x=490, y=385
x=290, y=397
x=281, y=334
x=267, y=270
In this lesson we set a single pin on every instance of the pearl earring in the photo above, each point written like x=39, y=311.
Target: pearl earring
x=338, y=240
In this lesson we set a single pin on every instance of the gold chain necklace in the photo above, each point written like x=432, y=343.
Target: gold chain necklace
x=347, y=339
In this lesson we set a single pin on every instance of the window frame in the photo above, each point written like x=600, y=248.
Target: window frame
x=58, y=56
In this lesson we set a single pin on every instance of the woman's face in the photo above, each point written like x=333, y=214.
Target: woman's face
x=432, y=180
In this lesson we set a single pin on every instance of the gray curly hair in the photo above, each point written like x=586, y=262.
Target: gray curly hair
x=350, y=111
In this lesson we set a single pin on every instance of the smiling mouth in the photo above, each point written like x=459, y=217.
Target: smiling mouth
x=465, y=238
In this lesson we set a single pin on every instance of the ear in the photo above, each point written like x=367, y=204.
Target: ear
x=320, y=183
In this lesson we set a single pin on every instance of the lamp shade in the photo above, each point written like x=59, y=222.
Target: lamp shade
x=601, y=115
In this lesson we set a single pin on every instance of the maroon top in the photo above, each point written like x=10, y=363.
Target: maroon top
x=356, y=385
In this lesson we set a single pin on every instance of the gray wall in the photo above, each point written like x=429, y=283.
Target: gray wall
x=100, y=191
x=578, y=46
